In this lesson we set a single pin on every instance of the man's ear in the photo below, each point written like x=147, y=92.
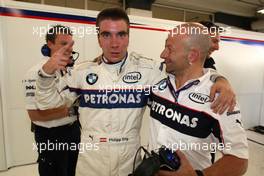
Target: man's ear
x=98, y=38
x=194, y=55
x=99, y=41
x=50, y=44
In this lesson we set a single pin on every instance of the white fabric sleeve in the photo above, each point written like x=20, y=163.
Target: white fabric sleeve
x=50, y=92
x=233, y=134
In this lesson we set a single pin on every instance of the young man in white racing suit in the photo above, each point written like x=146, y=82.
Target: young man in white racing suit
x=113, y=94
x=181, y=117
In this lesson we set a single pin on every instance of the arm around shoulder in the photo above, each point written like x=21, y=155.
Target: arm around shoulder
x=228, y=165
x=49, y=114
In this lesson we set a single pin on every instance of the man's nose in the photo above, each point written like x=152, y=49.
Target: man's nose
x=114, y=41
x=217, y=46
x=163, y=54
x=70, y=49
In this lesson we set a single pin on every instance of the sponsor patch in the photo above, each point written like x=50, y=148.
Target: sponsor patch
x=163, y=84
x=110, y=100
x=117, y=140
x=103, y=139
x=132, y=77
x=232, y=113
x=199, y=98
x=183, y=119
x=30, y=94
x=114, y=140
x=91, y=78
x=91, y=137
x=29, y=80
x=30, y=87
x=238, y=121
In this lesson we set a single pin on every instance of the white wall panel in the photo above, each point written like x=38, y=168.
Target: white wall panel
x=3, y=162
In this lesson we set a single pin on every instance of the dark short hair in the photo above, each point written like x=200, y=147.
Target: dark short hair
x=113, y=14
x=209, y=24
x=212, y=27
x=55, y=30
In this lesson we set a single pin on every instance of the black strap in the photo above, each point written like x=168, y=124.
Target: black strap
x=212, y=157
x=33, y=127
x=199, y=173
x=174, y=93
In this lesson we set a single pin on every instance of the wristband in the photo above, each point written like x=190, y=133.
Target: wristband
x=42, y=74
x=214, y=77
x=73, y=111
x=199, y=173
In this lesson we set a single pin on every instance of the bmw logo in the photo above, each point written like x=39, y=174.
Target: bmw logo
x=163, y=84
x=91, y=78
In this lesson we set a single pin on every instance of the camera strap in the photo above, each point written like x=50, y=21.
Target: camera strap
x=176, y=94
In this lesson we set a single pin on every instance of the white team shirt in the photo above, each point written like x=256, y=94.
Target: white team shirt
x=185, y=121
x=29, y=85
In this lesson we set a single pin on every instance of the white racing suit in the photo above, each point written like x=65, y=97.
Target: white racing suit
x=182, y=119
x=112, y=99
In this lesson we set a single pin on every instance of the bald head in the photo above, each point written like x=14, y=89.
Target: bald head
x=193, y=35
x=186, y=48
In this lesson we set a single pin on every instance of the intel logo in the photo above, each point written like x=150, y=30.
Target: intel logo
x=132, y=77
x=199, y=98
